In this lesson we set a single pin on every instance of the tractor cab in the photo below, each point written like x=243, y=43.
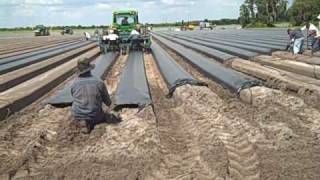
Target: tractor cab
x=66, y=30
x=41, y=30
x=125, y=24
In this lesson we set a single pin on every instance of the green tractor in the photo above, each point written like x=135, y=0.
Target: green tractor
x=41, y=30
x=125, y=34
x=66, y=30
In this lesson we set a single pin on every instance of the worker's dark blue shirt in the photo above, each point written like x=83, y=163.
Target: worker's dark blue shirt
x=88, y=95
x=296, y=34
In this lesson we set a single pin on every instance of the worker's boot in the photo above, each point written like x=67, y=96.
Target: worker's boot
x=85, y=127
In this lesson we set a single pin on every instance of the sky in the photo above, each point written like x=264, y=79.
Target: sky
x=20, y=13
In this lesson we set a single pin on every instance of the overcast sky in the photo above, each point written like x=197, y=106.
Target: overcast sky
x=16, y=13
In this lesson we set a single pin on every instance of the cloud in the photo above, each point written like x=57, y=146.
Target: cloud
x=43, y=2
x=103, y=6
x=87, y=12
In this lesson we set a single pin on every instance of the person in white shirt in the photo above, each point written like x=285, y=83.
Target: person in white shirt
x=135, y=38
x=111, y=36
x=311, y=29
x=319, y=20
x=87, y=35
x=313, y=36
x=134, y=32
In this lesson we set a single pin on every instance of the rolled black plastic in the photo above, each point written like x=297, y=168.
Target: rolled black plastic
x=173, y=74
x=244, y=41
x=4, y=68
x=274, y=38
x=218, y=55
x=225, y=42
x=189, y=42
x=228, y=78
x=34, y=53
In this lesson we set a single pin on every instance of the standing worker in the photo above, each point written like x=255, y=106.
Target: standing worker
x=135, y=38
x=313, y=36
x=87, y=35
x=317, y=43
x=296, y=37
x=88, y=94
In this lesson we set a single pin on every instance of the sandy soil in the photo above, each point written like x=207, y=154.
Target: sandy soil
x=200, y=133
x=43, y=144
x=276, y=138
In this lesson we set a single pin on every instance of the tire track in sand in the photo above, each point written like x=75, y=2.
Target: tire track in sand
x=279, y=126
x=187, y=151
x=242, y=160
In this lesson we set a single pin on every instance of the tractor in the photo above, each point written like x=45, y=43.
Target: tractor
x=205, y=25
x=66, y=30
x=41, y=30
x=185, y=27
x=125, y=34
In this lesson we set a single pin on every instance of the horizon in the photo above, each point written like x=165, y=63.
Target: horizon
x=28, y=13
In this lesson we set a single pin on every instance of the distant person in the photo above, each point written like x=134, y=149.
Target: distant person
x=296, y=38
x=88, y=94
x=111, y=36
x=96, y=33
x=135, y=32
x=87, y=35
x=313, y=36
x=125, y=21
x=135, y=38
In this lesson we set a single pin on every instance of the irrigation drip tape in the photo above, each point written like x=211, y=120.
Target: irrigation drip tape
x=102, y=65
x=133, y=89
x=173, y=74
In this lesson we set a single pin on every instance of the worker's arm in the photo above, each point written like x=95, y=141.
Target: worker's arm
x=105, y=95
x=303, y=28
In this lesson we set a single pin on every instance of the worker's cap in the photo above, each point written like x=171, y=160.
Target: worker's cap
x=84, y=65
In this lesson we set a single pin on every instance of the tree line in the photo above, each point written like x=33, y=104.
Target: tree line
x=194, y=22
x=29, y=28
x=257, y=13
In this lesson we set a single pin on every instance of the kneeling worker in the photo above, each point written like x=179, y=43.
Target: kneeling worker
x=88, y=94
